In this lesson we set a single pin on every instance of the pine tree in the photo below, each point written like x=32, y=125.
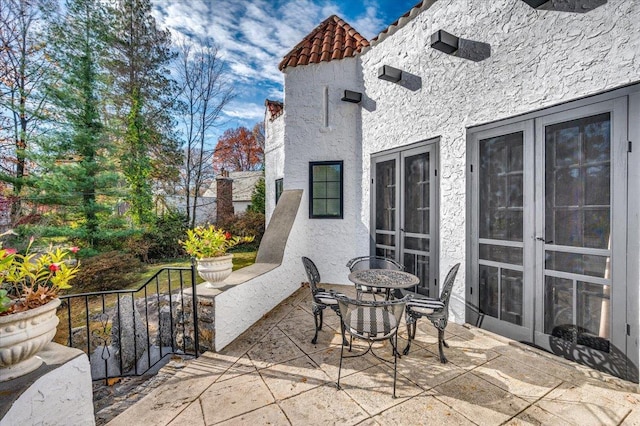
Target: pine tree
x=143, y=98
x=24, y=67
x=76, y=172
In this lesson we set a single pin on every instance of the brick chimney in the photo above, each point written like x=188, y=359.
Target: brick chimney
x=224, y=198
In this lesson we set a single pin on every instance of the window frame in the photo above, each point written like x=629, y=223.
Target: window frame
x=312, y=164
x=279, y=194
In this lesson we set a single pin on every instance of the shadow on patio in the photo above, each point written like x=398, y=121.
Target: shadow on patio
x=272, y=374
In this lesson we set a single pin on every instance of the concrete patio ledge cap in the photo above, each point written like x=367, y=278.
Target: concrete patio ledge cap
x=271, y=251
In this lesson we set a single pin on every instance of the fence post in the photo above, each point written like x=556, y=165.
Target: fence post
x=196, y=330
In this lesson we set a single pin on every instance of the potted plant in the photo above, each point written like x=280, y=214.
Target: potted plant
x=209, y=246
x=29, y=286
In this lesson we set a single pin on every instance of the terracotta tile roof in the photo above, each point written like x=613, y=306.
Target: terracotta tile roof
x=275, y=108
x=332, y=39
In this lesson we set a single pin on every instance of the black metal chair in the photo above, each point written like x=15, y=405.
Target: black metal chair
x=436, y=311
x=371, y=262
x=372, y=321
x=321, y=298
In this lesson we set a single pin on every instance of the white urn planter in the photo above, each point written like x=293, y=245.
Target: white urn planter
x=214, y=270
x=22, y=336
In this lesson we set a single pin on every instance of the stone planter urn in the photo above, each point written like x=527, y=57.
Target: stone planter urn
x=214, y=270
x=22, y=336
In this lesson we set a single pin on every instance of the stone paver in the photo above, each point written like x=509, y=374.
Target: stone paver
x=476, y=399
x=272, y=374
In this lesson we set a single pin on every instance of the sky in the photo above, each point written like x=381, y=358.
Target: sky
x=252, y=36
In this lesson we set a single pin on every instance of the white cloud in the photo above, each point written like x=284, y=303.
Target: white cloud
x=252, y=37
x=370, y=24
x=245, y=111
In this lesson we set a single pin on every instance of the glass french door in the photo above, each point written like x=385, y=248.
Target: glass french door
x=548, y=243
x=404, y=213
x=504, y=197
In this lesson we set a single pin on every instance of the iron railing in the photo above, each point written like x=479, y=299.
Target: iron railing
x=129, y=332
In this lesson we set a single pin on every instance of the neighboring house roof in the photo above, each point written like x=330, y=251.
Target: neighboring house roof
x=243, y=184
x=275, y=108
x=332, y=39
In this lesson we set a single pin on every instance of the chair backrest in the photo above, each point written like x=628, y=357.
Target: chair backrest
x=312, y=274
x=371, y=319
x=445, y=295
x=373, y=262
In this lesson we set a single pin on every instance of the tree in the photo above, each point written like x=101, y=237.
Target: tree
x=238, y=150
x=144, y=98
x=205, y=93
x=77, y=172
x=257, y=198
x=24, y=67
x=258, y=134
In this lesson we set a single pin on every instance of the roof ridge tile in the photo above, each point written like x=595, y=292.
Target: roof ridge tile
x=333, y=39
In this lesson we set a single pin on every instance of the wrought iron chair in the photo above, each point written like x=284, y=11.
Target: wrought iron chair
x=321, y=298
x=436, y=311
x=372, y=321
x=371, y=262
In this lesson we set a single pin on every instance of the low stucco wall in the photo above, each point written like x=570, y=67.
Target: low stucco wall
x=58, y=393
x=255, y=290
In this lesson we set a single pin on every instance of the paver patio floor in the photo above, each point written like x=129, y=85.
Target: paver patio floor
x=272, y=374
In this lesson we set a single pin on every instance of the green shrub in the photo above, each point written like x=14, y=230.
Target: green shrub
x=257, y=198
x=160, y=241
x=169, y=228
x=247, y=224
x=113, y=270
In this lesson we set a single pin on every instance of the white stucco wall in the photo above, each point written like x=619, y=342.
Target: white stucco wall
x=239, y=307
x=330, y=243
x=538, y=58
x=273, y=161
x=62, y=396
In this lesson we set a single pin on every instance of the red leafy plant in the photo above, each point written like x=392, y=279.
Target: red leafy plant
x=33, y=279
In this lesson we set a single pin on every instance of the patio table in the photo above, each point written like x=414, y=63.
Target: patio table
x=388, y=279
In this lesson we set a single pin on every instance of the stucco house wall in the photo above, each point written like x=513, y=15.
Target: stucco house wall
x=310, y=136
x=538, y=58
x=273, y=161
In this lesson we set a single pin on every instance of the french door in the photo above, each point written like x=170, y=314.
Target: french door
x=404, y=211
x=548, y=244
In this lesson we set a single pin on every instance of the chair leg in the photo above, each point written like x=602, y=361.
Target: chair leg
x=316, y=321
x=395, y=363
x=340, y=367
x=411, y=332
x=321, y=319
x=443, y=359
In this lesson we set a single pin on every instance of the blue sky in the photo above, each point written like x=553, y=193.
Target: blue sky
x=254, y=35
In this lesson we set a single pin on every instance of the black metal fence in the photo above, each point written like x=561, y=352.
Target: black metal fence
x=131, y=332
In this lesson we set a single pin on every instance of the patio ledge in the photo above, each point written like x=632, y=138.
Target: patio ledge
x=251, y=292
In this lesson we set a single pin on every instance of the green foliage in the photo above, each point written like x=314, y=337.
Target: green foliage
x=169, y=228
x=113, y=270
x=5, y=301
x=76, y=173
x=143, y=96
x=159, y=242
x=34, y=278
x=248, y=223
x=257, y=198
x=209, y=241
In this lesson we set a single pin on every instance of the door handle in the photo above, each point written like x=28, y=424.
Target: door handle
x=543, y=240
x=401, y=229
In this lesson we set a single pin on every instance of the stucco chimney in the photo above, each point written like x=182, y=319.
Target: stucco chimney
x=224, y=198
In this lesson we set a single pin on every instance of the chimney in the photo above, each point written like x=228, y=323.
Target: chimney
x=224, y=198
